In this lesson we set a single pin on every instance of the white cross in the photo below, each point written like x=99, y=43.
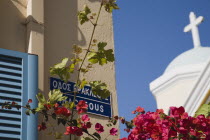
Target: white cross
x=193, y=26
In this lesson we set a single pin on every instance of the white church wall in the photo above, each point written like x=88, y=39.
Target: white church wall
x=175, y=94
x=200, y=91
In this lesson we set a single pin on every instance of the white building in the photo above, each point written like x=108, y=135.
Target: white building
x=186, y=80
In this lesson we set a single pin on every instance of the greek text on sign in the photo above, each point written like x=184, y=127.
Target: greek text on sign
x=95, y=105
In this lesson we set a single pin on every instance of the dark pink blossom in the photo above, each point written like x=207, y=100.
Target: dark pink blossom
x=113, y=131
x=99, y=128
x=81, y=107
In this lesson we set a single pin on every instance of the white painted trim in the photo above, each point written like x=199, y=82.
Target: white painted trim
x=35, y=34
x=29, y=7
x=170, y=77
x=197, y=94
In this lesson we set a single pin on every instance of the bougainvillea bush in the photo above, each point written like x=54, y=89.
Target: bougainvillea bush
x=175, y=126
x=145, y=125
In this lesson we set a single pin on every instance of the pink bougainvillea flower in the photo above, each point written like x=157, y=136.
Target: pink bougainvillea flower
x=73, y=130
x=39, y=127
x=177, y=125
x=99, y=128
x=176, y=112
x=47, y=106
x=81, y=107
x=85, y=118
x=184, y=115
x=139, y=109
x=86, y=125
x=56, y=105
x=14, y=103
x=160, y=111
x=113, y=131
x=30, y=101
x=133, y=112
x=69, y=130
x=42, y=126
x=127, y=130
x=79, y=132
x=62, y=111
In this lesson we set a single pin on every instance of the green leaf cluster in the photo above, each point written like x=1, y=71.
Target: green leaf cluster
x=100, y=89
x=83, y=15
x=61, y=70
x=204, y=110
x=58, y=135
x=74, y=61
x=102, y=56
x=64, y=71
x=110, y=5
x=82, y=83
x=54, y=96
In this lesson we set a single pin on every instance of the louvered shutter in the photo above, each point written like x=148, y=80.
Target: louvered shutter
x=18, y=82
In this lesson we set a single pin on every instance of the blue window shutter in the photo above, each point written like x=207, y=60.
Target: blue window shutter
x=18, y=82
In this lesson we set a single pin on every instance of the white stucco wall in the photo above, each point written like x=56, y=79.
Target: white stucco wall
x=175, y=94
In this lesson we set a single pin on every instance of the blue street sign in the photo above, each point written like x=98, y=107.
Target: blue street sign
x=69, y=88
x=95, y=105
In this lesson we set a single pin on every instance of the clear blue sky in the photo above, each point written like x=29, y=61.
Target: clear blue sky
x=148, y=36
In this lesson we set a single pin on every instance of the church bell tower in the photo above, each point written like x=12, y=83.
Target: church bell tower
x=186, y=80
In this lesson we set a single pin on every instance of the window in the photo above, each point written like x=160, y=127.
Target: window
x=18, y=82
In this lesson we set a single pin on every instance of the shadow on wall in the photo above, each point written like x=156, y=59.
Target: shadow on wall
x=20, y=3
x=61, y=31
x=12, y=31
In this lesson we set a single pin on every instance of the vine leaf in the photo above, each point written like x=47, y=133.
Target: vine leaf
x=61, y=70
x=83, y=70
x=100, y=89
x=83, y=15
x=58, y=135
x=71, y=105
x=129, y=125
x=62, y=64
x=97, y=135
x=77, y=49
x=110, y=5
x=56, y=96
x=40, y=97
x=82, y=83
x=102, y=56
x=71, y=68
